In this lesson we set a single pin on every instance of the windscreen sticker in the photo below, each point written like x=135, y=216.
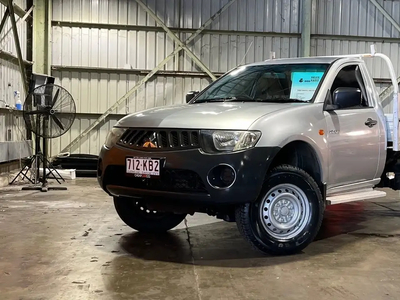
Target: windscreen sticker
x=304, y=84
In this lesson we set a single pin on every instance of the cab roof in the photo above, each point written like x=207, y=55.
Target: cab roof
x=300, y=60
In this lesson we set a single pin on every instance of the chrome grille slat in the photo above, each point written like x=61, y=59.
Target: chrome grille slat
x=130, y=136
x=180, y=144
x=135, y=137
x=185, y=139
x=125, y=136
x=136, y=140
x=194, y=138
x=174, y=141
x=159, y=140
x=162, y=139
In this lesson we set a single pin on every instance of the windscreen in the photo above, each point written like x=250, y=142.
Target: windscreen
x=267, y=83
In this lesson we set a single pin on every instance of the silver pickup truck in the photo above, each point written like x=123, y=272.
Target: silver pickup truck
x=268, y=145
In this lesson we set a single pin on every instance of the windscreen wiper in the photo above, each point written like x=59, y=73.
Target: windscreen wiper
x=289, y=100
x=227, y=99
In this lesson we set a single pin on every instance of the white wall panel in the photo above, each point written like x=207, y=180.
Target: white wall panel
x=376, y=66
x=354, y=17
x=251, y=15
x=110, y=48
x=10, y=81
x=91, y=144
x=95, y=92
x=224, y=52
x=243, y=15
x=12, y=127
x=145, y=50
x=7, y=38
x=10, y=78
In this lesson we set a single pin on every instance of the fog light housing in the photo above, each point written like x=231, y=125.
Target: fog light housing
x=222, y=176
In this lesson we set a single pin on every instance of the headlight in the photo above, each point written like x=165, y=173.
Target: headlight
x=228, y=141
x=113, y=136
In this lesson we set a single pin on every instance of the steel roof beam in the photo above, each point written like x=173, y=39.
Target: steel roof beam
x=4, y=20
x=2, y=39
x=13, y=59
x=18, y=10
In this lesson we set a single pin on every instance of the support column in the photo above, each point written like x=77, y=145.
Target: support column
x=306, y=28
x=41, y=37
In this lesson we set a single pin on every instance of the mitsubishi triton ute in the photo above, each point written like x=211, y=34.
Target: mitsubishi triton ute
x=267, y=145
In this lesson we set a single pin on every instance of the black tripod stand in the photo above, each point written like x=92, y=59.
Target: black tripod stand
x=33, y=164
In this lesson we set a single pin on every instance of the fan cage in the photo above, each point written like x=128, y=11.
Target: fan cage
x=49, y=111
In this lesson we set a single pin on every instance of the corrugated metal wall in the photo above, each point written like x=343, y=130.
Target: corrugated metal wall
x=354, y=18
x=144, y=49
x=11, y=128
x=92, y=143
x=255, y=27
x=10, y=78
x=95, y=92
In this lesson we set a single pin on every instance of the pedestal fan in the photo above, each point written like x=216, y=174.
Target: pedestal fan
x=49, y=112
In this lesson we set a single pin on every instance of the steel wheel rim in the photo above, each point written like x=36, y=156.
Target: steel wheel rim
x=285, y=211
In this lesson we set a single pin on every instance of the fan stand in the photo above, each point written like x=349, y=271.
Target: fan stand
x=34, y=164
x=43, y=157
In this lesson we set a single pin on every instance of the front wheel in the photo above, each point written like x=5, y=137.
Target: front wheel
x=137, y=216
x=287, y=215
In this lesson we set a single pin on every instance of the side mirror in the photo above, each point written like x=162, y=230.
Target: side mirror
x=345, y=97
x=191, y=95
x=328, y=106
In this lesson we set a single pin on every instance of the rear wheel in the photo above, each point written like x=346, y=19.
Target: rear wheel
x=287, y=215
x=136, y=215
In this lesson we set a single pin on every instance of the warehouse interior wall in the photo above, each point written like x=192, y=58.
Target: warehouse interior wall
x=99, y=50
x=10, y=78
x=13, y=138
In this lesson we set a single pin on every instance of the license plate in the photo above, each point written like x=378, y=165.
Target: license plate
x=143, y=167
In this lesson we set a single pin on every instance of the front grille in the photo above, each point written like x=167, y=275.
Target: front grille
x=160, y=139
x=170, y=180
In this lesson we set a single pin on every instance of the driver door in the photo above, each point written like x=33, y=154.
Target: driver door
x=353, y=134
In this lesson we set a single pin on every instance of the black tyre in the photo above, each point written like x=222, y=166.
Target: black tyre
x=287, y=215
x=138, y=217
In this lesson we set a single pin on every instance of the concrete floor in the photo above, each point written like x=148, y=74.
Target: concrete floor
x=72, y=245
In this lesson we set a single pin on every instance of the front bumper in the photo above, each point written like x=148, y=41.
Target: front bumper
x=184, y=175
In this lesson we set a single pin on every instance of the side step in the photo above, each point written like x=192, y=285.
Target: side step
x=354, y=196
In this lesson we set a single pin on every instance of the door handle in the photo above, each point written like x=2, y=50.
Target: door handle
x=370, y=122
